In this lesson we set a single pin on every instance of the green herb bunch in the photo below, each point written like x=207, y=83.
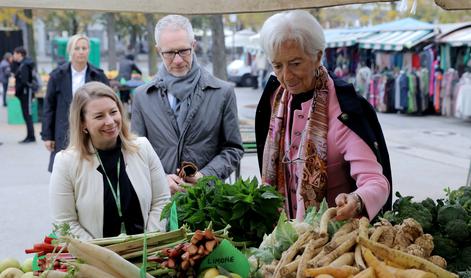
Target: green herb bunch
x=250, y=209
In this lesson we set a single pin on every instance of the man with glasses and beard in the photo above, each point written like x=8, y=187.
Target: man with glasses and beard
x=187, y=114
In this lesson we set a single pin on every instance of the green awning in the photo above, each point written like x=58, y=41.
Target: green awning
x=396, y=40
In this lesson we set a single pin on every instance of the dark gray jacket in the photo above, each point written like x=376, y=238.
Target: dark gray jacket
x=55, y=123
x=210, y=137
x=5, y=70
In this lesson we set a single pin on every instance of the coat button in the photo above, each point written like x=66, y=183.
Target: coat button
x=376, y=145
x=300, y=116
x=344, y=116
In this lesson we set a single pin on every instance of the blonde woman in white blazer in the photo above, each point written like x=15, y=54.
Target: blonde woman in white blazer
x=107, y=181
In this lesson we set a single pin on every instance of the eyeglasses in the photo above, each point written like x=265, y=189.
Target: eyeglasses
x=171, y=54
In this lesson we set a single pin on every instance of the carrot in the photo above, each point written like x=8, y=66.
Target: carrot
x=343, y=248
x=404, y=259
x=89, y=271
x=103, y=259
x=367, y=273
x=324, y=224
x=337, y=272
x=378, y=266
x=410, y=273
x=345, y=259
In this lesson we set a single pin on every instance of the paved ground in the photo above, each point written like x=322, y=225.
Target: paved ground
x=427, y=154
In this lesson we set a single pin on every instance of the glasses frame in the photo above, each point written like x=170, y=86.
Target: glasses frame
x=170, y=55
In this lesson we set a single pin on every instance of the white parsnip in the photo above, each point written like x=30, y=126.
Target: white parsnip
x=92, y=254
x=404, y=259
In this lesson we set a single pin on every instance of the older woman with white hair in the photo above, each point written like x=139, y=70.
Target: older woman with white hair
x=316, y=137
x=63, y=83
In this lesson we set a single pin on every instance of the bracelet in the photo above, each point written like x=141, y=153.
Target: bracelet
x=359, y=208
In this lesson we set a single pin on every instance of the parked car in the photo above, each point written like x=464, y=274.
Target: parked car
x=241, y=74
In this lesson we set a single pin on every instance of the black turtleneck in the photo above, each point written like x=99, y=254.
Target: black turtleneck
x=130, y=205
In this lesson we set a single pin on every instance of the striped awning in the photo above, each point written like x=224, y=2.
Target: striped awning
x=344, y=39
x=396, y=40
x=458, y=38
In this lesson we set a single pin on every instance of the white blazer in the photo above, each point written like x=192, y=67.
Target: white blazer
x=76, y=190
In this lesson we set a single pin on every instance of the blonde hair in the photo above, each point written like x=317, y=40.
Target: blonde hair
x=81, y=141
x=73, y=41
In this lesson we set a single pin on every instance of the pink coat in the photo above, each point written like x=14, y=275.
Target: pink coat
x=348, y=156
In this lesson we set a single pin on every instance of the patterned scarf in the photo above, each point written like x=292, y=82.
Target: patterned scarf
x=313, y=168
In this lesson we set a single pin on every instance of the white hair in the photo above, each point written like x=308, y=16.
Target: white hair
x=73, y=42
x=174, y=23
x=299, y=26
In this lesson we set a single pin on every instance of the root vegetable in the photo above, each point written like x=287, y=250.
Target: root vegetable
x=289, y=254
x=290, y=268
x=337, y=272
x=363, y=226
x=343, y=248
x=359, y=258
x=103, y=259
x=345, y=229
x=415, y=250
x=378, y=266
x=367, y=273
x=345, y=259
x=404, y=259
x=426, y=242
x=410, y=273
x=441, y=262
x=11, y=272
x=324, y=224
x=377, y=233
x=89, y=271
x=308, y=253
x=53, y=274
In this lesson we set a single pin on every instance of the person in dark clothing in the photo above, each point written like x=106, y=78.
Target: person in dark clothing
x=23, y=91
x=62, y=84
x=5, y=71
x=127, y=66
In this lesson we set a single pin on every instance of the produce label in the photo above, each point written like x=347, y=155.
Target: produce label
x=228, y=257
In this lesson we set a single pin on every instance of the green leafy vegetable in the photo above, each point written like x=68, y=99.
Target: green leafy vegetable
x=250, y=209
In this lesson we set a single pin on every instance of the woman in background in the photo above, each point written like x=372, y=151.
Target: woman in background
x=61, y=87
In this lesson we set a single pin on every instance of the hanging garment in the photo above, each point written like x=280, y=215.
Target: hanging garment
x=437, y=95
x=411, y=95
x=450, y=79
x=463, y=100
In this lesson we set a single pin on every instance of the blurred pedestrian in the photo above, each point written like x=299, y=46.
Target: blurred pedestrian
x=23, y=89
x=63, y=82
x=5, y=72
x=127, y=66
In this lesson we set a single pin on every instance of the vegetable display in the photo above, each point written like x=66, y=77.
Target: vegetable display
x=448, y=221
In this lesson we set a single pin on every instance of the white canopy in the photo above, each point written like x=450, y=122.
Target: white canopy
x=180, y=6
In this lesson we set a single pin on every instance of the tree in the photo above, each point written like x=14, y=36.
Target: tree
x=30, y=33
x=150, y=23
x=218, y=49
x=110, y=31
